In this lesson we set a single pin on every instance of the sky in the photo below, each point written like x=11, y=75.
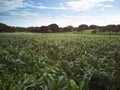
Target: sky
x=26, y=13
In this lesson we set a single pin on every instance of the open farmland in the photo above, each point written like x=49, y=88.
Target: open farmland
x=67, y=61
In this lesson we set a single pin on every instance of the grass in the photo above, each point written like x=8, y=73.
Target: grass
x=59, y=61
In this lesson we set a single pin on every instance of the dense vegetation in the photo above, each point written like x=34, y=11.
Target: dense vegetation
x=53, y=28
x=31, y=61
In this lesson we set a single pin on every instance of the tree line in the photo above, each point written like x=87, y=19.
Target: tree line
x=53, y=28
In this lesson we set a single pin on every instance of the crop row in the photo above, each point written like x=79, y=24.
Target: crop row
x=81, y=63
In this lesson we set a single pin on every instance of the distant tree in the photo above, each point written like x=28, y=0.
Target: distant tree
x=101, y=29
x=5, y=28
x=93, y=27
x=110, y=28
x=53, y=27
x=68, y=29
x=30, y=29
x=82, y=27
x=94, y=31
x=20, y=29
x=117, y=28
x=44, y=29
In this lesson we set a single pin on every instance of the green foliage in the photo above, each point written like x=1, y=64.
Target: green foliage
x=74, y=86
x=59, y=62
x=94, y=31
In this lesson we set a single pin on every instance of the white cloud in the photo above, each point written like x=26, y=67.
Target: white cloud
x=108, y=6
x=82, y=5
x=25, y=18
x=23, y=14
x=6, y=5
x=61, y=4
x=58, y=8
x=46, y=7
x=102, y=9
x=41, y=7
x=79, y=5
x=103, y=19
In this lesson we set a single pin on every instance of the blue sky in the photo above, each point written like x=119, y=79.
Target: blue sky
x=27, y=13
